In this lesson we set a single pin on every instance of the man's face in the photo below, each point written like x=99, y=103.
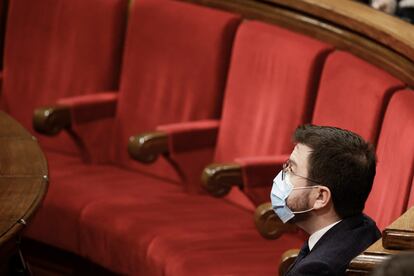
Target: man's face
x=298, y=200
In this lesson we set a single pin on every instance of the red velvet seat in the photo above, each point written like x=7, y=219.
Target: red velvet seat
x=335, y=106
x=182, y=253
x=152, y=236
x=132, y=223
x=177, y=75
x=3, y=18
x=352, y=95
x=270, y=91
x=272, y=82
x=176, y=234
x=395, y=151
x=57, y=49
x=174, y=69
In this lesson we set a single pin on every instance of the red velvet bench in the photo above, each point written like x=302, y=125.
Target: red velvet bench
x=59, y=49
x=135, y=219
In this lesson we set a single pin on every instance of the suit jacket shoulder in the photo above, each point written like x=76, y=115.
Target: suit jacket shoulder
x=333, y=252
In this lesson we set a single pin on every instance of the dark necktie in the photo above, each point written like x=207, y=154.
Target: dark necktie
x=304, y=251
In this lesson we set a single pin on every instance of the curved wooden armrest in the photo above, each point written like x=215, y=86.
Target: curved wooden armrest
x=268, y=223
x=400, y=234
x=146, y=147
x=287, y=260
x=218, y=179
x=51, y=120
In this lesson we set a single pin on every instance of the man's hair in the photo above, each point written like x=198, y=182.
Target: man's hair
x=342, y=161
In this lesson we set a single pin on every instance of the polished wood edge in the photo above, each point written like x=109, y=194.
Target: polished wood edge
x=50, y=120
x=398, y=239
x=268, y=223
x=147, y=147
x=400, y=234
x=374, y=255
x=379, y=26
x=364, y=263
x=287, y=259
x=37, y=201
x=218, y=179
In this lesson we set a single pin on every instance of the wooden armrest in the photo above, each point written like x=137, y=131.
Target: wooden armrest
x=51, y=120
x=400, y=234
x=268, y=223
x=146, y=147
x=287, y=260
x=218, y=179
x=368, y=260
x=69, y=112
x=396, y=238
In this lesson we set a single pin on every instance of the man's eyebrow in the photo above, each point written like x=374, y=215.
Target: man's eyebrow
x=292, y=162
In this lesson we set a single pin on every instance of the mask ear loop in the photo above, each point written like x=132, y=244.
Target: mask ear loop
x=301, y=212
x=306, y=187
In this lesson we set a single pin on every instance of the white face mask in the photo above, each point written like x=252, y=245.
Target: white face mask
x=281, y=190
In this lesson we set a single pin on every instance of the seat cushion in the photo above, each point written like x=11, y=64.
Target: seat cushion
x=135, y=224
x=177, y=234
x=73, y=185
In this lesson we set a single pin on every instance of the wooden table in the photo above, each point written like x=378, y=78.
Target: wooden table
x=23, y=184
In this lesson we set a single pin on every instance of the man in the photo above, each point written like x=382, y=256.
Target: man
x=322, y=189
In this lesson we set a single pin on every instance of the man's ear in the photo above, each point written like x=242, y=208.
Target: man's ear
x=322, y=196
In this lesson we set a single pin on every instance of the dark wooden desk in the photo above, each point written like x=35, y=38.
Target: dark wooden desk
x=23, y=184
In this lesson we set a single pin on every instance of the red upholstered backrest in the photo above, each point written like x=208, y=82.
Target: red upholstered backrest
x=271, y=87
x=3, y=18
x=395, y=150
x=353, y=95
x=60, y=48
x=174, y=68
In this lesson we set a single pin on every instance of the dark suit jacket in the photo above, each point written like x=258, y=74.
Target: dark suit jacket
x=333, y=252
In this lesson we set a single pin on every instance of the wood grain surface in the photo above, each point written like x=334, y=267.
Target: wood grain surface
x=23, y=177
